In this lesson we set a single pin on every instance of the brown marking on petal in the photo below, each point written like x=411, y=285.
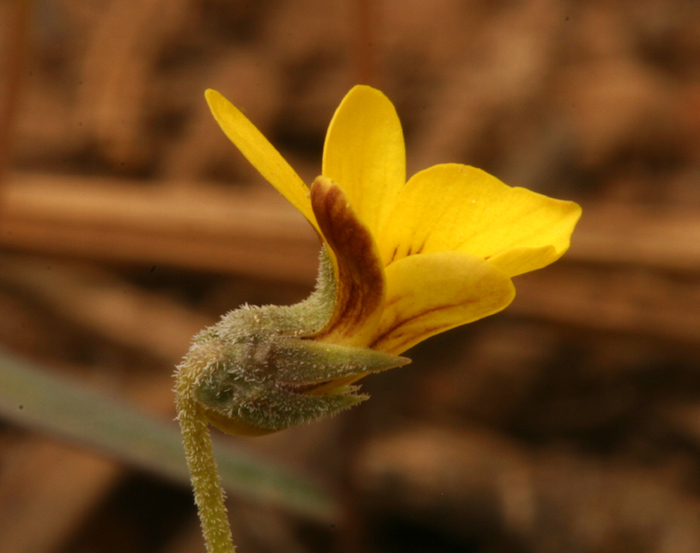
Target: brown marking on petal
x=360, y=285
x=395, y=332
x=402, y=339
x=406, y=254
x=393, y=255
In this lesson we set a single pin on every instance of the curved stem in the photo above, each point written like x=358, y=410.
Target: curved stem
x=208, y=493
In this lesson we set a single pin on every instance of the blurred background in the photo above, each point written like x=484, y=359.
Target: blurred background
x=568, y=423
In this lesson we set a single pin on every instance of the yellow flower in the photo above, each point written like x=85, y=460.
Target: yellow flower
x=401, y=262
x=410, y=258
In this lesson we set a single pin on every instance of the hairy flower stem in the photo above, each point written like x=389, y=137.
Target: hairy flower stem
x=208, y=493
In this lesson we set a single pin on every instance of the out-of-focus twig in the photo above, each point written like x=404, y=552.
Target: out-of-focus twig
x=16, y=39
x=208, y=228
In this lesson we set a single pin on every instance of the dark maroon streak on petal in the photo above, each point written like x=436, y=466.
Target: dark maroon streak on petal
x=401, y=340
x=393, y=254
x=360, y=285
x=394, y=332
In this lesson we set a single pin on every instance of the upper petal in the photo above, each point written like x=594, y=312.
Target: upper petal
x=359, y=275
x=260, y=153
x=456, y=207
x=430, y=293
x=364, y=153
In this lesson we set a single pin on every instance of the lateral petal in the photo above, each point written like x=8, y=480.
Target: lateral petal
x=364, y=153
x=260, y=153
x=456, y=207
x=359, y=275
x=430, y=293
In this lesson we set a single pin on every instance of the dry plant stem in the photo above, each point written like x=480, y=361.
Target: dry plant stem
x=208, y=493
x=15, y=43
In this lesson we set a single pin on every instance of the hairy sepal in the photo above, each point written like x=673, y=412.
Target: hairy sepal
x=259, y=370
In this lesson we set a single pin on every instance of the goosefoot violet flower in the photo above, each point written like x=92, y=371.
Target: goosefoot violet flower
x=400, y=262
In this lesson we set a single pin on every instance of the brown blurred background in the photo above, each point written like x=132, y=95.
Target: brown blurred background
x=569, y=423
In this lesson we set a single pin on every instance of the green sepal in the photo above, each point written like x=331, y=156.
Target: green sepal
x=308, y=362
x=263, y=369
x=284, y=381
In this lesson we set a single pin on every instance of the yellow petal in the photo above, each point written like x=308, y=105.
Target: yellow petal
x=359, y=274
x=456, y=207
x=431, y=293
x=517, y=261
x=364, y=153
x=260, y=153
